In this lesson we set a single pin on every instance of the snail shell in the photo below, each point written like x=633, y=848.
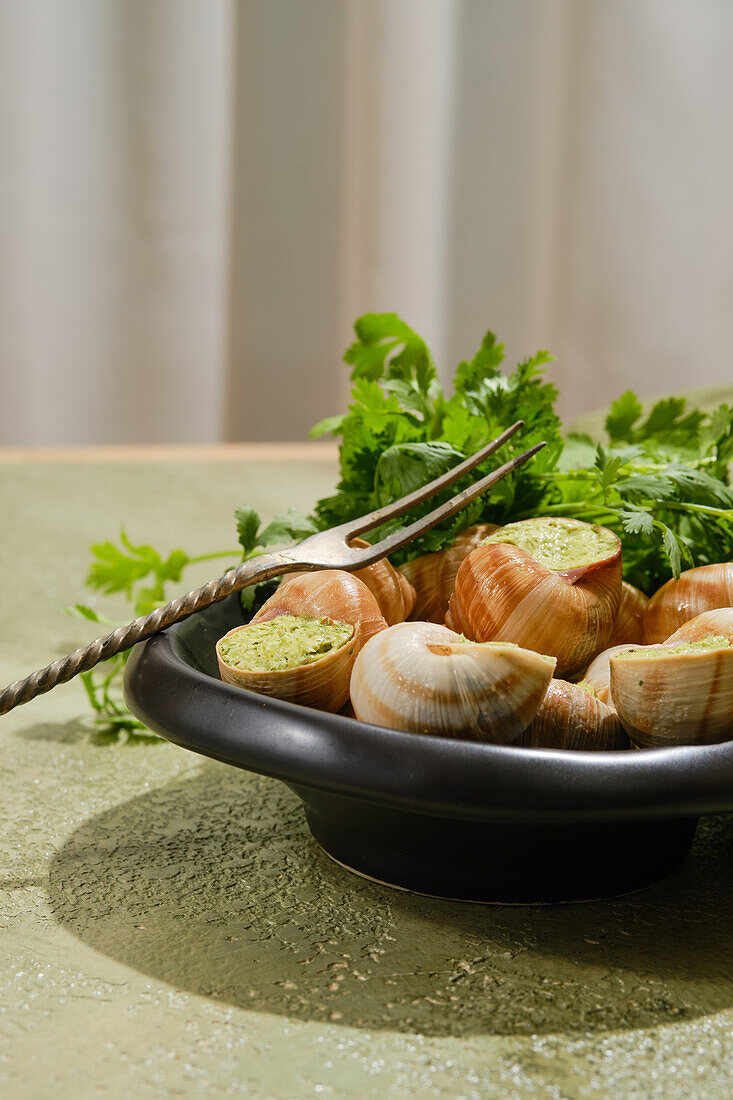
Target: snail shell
x=433, y=576
x=629, y=624
x=503, y=594
x=718, y=622
x=572, y=718
x=424, y=678
x=666, y=698
x=327, y=593
x=394, y=593
x=676, y=602
x=598, y=673
x=322, y=684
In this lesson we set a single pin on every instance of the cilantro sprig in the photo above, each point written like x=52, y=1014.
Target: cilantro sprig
x=144, y=576
x=661, y=482
x=659, y=478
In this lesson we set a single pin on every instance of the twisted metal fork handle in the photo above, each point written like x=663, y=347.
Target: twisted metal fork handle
x=125, y=637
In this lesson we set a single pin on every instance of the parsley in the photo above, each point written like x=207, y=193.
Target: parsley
x=400, y=431
x=285, y=529
x=661, y=483
x=142, y=574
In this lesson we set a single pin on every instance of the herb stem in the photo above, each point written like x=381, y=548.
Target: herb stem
x=219, y=554
x=567, y=475
x=687, y=506
x=579, y=507
x=571, y=508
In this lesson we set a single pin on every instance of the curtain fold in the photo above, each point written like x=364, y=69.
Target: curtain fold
x=197, y=198
x=115, y=129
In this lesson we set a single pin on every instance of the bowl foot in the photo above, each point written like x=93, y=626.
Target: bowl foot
x=491, y=861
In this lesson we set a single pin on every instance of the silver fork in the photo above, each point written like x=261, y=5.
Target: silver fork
x=325, y=550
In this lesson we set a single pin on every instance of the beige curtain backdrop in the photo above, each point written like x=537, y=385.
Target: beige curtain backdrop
x=197, y=197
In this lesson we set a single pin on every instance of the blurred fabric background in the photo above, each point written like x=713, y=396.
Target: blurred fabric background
x=197, y=198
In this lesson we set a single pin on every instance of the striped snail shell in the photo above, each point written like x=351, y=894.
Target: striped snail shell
x=393, y=591
x=571, y=717
x=503, y=594
x=327, y=593
x=718, y=622
x=598, y=673
x=425, y=678
x=666, y=697
x=433, y=576
x=629, y=623
x=330, y=593
x=695, y=591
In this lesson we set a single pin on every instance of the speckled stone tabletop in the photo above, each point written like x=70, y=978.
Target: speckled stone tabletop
x=170, y=929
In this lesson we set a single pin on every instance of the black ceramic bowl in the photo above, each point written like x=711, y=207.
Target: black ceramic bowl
x=450, y=818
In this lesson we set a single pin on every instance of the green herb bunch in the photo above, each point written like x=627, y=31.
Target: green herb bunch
x=660, y=480
x=400, y=430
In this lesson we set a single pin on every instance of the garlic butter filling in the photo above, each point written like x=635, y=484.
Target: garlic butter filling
x=558, y=543
x=287, y=641
x=703, y=645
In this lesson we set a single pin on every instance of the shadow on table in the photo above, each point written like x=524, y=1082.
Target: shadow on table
x=65, y=733
x=80, y=729
x=212, y=884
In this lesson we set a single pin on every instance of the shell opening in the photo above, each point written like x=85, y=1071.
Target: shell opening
x=559, y=543
x=677, y=649
x=284, y=642
x=589, y=689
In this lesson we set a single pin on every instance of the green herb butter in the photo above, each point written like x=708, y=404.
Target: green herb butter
x=583, y=685
x=503, y=645
x=704, y=645
x=285, y=642
x=558, y=543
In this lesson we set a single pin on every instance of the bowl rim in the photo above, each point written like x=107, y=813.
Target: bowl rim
x=422, y=773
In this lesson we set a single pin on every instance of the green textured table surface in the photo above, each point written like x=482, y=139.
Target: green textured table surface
x=169, y=928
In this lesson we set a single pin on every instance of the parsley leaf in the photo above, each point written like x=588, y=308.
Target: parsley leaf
x=248, y=524
x=286, y=528
x=388, y=348
x=624, y=413
x=636, y=521
x=405, y=467
x=120, y=569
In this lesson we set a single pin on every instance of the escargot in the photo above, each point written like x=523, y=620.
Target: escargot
x=425, y=678
x=433, y=576
x=572, y=717
x=552, y=585
x=302, y=643
x=675, y=693
x=598, y=673
x=393, y=591
x=718, y=622
x=628, y=625
x=695, y=591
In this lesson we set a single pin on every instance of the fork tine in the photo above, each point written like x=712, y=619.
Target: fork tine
x=404, y=504
x=445, y=511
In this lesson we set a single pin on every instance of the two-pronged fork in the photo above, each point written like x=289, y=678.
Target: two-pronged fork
x=325, y=550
